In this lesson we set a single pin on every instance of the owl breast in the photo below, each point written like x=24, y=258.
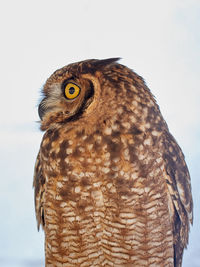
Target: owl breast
x=105, y=200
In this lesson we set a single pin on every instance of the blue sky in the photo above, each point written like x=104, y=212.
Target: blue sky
x=160, y=40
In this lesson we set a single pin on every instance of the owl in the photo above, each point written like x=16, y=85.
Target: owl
x=111, y=184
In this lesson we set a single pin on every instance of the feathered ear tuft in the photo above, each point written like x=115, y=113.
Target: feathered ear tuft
x=92, y=65
x=104, y=62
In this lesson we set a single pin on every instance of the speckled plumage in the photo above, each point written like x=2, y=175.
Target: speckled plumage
x=111, y=184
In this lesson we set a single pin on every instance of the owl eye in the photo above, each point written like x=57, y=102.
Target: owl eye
x=71, y=90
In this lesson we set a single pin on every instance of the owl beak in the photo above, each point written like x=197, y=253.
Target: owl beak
x=42, y=109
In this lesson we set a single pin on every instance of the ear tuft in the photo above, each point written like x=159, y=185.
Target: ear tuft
x=92, y=65
x=104, y=62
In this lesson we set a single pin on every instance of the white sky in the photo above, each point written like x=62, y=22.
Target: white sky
x=160, y=40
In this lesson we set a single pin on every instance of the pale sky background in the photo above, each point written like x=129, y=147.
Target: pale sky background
x=159, y=39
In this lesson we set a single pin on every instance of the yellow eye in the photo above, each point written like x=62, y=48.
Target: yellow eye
x=71, y=90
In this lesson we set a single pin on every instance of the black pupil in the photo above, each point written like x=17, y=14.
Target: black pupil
x=71, y=90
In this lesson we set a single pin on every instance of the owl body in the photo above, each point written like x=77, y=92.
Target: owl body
x=111, y=184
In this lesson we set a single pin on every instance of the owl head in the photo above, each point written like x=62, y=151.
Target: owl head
x=89, y=92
